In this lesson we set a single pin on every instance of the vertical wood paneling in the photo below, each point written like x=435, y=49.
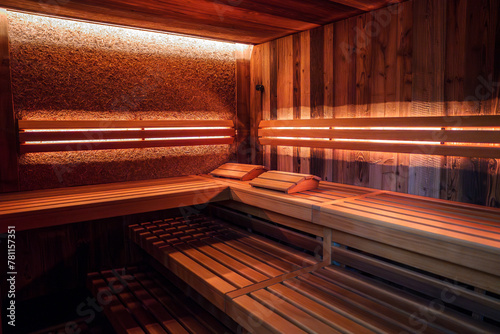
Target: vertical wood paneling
x=273, y=89
x=242, y=121
x=328, y=96
x=266, y=96
x=285, y=96
x=454, y=88
x=429, y=29
x=297, y=89
x=342, y=58
x=256, y=104
x=305, y=94
x=317, y=92
x=404, y=83
x=364, y=86
x=417, y=58
x=384, y=27
x=9, y=175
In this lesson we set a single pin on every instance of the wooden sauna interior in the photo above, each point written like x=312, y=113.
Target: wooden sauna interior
x=361, y=140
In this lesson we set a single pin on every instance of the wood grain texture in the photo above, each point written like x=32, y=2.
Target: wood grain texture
x=256, y=104
x=285, y=96
x=97, y=202
x=409, y=59
x=243, y=119
x=240, y=21
x=9, y=168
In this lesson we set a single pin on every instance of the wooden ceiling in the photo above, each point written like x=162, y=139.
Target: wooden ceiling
x=243, y=21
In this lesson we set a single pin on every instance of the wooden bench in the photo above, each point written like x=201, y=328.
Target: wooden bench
x=219, y=260
x=141, y=301
x=35, y=209
x=402, y=264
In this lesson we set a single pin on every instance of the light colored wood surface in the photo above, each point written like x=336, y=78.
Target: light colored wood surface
x=9, y=178
x=62, y=206
x=431, y=121
x=243, y=172
x=104, y=124
x=431, y=149
x=288, y=183
x=215, y=258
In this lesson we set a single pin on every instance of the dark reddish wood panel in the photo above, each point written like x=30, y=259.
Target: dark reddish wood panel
x=241, y=21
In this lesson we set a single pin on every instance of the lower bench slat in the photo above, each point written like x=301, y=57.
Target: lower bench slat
x=256, y=318
x=142, y=302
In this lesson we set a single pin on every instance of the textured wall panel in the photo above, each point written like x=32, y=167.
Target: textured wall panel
x=73, y=70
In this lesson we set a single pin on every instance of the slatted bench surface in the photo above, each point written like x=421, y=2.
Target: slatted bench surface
x=337, y=300
x=214, y=257
x=298, y=205
x=141, y=301
x=42, y=208
x=464, y=235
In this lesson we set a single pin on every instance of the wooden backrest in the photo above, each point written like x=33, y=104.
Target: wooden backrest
x=49, y=136
x=468, y=136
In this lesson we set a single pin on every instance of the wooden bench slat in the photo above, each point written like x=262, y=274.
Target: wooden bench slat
x=255, y=317
x=420, y=261
x=429, y=232
x=300, y=318
x=184, y=318
x=462, y=219
x=433, y=287
x=293, y=256
x=235, y=265
x=336, y=314
x=445, y=318
x=152, y=305
x=271, y=260
x=423, y=219
x=134, y=306
x=464, y=209
x=250, y=261
x=368, y=313
x=116, y=312
x=59, y=201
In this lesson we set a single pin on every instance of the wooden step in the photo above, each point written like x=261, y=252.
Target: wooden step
x=141, y=301
x=214, y=257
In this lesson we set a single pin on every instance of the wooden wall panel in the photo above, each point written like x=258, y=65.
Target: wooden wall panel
x=429, y=27
x=285, y=96
x=410, y=59
x=404, y=83
x=305, y=95
x=9, y=167
x=256, y=105
x=317, y=93
x=243, y=108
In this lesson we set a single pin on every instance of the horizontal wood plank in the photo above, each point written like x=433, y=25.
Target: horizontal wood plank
x=131, y=134
x=488, y=152
x=433, y=121
x=119, y=124
x=84, y=146
x=396, y=135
